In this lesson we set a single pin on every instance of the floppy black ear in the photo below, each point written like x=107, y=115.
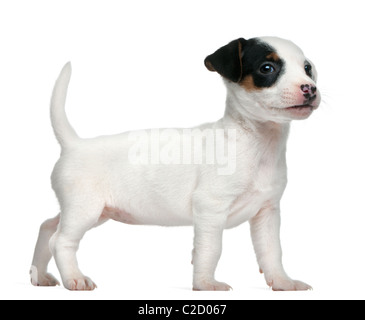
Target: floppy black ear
x=227, y=61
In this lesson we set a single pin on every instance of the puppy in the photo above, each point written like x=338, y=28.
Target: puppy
x=212, y=177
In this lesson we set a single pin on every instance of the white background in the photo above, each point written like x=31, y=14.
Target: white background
x=139, y=64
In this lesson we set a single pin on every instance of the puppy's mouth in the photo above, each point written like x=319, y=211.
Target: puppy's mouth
x=300, y=111
x=301, y=108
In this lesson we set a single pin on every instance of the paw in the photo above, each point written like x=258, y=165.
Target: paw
x=211, y=285
x=81, y=284
x=287, y=284
x=42, y=280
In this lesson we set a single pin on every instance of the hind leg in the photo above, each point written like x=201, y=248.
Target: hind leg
x=76, y=219
x=42, y=255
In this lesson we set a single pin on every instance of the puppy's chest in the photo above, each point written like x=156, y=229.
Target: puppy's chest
x=263, y=180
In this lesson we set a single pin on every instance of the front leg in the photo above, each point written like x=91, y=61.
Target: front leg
x=265, y=233
x=207, y=251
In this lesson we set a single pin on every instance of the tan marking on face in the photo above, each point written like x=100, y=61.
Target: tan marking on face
x=273, y=56
x=248, y=84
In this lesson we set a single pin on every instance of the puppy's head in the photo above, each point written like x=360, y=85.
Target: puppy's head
x=268, y=78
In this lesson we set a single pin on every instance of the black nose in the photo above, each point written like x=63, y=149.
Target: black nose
x=308, y=89
x=309, y=92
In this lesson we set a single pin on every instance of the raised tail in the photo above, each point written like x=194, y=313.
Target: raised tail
x=65, y=134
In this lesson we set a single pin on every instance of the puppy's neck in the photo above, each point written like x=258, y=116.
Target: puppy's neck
x=251, y=125
x=266, y=139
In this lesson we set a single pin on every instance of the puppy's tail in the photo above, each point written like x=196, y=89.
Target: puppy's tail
x=65, y=134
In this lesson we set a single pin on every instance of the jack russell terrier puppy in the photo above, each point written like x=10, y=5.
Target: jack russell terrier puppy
x=175, y=177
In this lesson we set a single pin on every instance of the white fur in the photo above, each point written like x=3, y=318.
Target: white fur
x=95, y=181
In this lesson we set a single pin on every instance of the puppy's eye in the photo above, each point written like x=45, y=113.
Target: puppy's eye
x=308, y=70
x=267, y=68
